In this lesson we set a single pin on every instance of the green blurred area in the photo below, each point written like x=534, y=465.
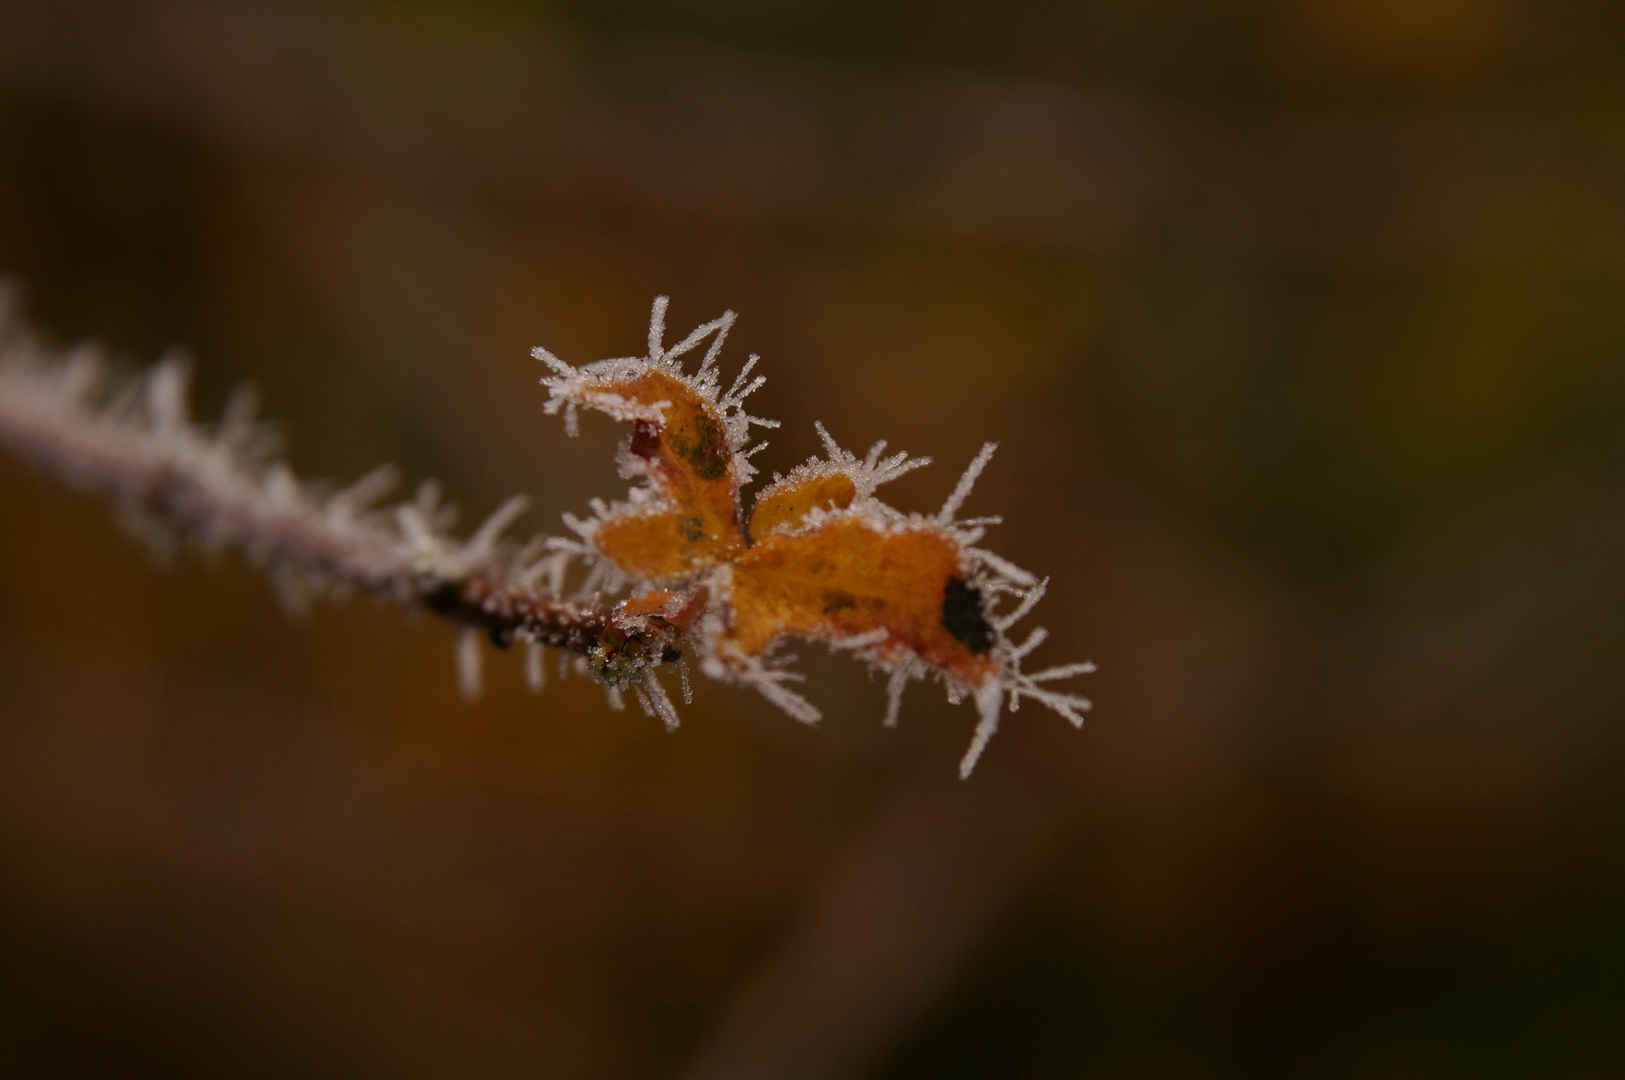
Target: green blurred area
x=1298, y=323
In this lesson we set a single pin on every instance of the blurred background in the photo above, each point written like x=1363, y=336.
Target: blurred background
x=1300, y=325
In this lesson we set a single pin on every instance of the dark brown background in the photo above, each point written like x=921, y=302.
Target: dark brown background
x=1301, y=324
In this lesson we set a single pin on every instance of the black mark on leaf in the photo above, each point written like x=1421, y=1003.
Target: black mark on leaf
x=962, y=615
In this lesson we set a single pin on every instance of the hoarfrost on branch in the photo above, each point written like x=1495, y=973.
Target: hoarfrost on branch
x=677, y=567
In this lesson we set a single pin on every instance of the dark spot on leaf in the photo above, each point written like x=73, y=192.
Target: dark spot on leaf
x=709, y=451
x=962, y=615
x=693, y=529
x=838, y=601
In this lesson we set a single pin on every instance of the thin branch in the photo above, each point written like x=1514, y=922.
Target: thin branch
x=179, y=482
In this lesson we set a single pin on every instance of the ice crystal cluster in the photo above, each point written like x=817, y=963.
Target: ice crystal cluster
x=677, y=569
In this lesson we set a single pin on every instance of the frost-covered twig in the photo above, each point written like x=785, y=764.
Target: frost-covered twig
x=677, y=565
x=221, y=487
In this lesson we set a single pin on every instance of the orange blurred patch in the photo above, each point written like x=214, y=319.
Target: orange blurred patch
x=1438, y=45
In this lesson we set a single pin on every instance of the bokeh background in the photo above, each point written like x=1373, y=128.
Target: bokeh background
x=1301, y=324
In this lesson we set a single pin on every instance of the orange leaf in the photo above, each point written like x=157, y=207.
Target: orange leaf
x=848, y=577
x=687, y=459
x=785, y=506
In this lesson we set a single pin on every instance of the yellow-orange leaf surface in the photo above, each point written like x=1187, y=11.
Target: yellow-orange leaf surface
x=849, y=577
x=785, y=506
x=688, y=460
